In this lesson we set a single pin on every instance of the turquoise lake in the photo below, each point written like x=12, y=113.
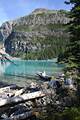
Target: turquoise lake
x=24, y=71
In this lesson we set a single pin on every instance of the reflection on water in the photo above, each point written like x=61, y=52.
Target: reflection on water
x=3, y=67
x=24, y=71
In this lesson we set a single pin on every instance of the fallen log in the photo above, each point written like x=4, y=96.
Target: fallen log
x=19, y=92
x=8, y=92
x=7, y=88
x=25, y=115
x=21, y=98
x=20, y=116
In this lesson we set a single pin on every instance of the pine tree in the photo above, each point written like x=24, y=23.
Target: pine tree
x=72, y=52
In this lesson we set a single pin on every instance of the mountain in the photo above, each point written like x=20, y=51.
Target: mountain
x=40, y=35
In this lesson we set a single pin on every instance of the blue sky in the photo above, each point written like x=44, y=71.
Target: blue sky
x=12, y=9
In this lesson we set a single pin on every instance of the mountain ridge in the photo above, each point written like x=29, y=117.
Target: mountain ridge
x=35, y=33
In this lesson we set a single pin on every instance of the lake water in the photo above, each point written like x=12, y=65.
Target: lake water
x=24, y=71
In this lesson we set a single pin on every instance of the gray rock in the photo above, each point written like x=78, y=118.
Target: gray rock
x=26, y=33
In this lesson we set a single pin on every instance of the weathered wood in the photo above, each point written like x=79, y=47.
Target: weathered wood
x=3, y=89
x=20, y=98
x=8, y=88
x=8, y=92
x=20, y=116
x=19, y=92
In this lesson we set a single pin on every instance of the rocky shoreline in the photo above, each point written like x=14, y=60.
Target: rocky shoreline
x=19, y=103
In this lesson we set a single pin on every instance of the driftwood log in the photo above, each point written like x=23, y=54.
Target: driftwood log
x=21, y=98
x=8, y=88
x=5, y=89
x=9, y=92
x=20, y=116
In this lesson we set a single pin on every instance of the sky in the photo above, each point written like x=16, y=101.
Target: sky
x=12, y=9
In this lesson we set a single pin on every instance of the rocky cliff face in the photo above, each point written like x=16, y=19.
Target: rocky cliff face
x=5, y=30
x=37, y=35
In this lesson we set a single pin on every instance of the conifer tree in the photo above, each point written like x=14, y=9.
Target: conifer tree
x=72, y=52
